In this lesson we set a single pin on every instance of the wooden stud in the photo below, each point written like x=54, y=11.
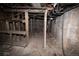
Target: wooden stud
x=31, y=24
x=27, y=24
x=7, y=25
x=45, y=27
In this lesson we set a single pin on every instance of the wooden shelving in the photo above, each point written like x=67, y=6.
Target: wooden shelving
x=13, y=20
x=14, y=28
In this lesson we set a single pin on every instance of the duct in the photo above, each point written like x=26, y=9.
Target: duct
x=36, y=5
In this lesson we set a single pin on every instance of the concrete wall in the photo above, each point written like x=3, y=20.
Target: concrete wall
x=67, y=28
x=36, y=25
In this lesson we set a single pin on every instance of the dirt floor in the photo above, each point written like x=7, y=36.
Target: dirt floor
x=34, y=48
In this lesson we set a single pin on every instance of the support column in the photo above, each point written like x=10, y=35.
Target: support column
x=27, y=24
x=45, y=27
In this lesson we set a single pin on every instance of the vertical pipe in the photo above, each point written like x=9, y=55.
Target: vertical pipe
x=45, y=27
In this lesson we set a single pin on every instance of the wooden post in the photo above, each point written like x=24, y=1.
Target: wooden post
x=45, y=27
x=31, y=24
x=27, y=24
x=7, y=25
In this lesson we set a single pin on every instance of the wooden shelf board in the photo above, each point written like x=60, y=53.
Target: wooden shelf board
x=14, y=32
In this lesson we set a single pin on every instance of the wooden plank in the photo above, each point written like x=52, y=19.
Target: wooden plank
x=15, y=10
x=14, y=26
x=31, y=24
x=27, y=24
x=25, y=7
x=36, y=11
x=14, y=32
x=7, y=25
x=45, y=27
x=24, y=10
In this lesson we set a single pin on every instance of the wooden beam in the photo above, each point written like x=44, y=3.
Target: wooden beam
x=15, y=10
x=23, y=7
x=27, y=24
x=24, y=10
x=45, y=27
x=36, y=11
x=14, y=32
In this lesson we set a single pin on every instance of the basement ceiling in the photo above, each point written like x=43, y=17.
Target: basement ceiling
x=35, y=5
x=59, y=8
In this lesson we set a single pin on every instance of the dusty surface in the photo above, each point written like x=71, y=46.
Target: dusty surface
x=34, y=48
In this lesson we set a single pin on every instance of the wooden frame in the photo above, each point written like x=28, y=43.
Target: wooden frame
x=26, y=19
x=27, y=24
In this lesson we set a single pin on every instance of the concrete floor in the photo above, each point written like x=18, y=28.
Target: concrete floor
x=35, y=47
